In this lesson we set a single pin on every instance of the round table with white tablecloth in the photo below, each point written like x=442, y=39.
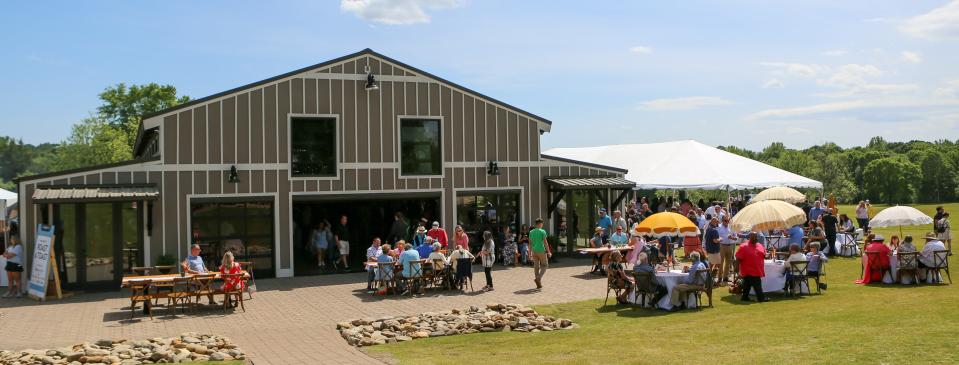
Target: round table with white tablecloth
x=775, y=279
x=669, y=279
x=851, y=250
x=888, y=278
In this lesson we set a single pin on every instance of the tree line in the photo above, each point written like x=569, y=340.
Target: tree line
x=887, y=172
x=881, y=171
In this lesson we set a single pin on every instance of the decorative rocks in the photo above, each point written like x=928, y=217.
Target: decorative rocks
x=495, y=317
x=187, y=347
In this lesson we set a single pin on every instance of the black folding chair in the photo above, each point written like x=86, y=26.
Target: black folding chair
x=797, y=276
x=940, y=261
x=908, y=263
x=464, y=271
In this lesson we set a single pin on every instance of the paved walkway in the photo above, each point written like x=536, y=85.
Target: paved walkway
x=289, y=321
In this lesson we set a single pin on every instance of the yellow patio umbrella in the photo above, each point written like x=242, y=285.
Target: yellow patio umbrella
x=666, y=224
x=783, y=193
x=767, y=215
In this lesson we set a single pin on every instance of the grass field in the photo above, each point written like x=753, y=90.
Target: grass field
x=848, y=324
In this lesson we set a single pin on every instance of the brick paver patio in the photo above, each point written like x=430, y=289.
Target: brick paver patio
x=289, y=321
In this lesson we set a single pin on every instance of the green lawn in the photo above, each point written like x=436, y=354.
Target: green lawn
x=848, y=324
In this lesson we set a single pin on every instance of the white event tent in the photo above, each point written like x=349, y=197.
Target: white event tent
x=685, y=164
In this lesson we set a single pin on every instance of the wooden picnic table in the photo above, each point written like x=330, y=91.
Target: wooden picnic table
x=165, y=278
x=605, y=249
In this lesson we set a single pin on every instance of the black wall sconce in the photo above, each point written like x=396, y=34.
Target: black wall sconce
x=492, y=168
x=370, y=80
x=234, y=176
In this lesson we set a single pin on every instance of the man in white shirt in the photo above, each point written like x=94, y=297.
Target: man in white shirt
x=726, y=250
x=932, y=244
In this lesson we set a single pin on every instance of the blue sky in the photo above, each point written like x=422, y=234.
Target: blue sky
x=723, y=72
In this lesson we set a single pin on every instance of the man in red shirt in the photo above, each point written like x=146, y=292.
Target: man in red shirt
x=751, y=256
x=438, y=234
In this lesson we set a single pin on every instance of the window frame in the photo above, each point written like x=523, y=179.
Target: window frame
x=399, y=146
x=337, y=145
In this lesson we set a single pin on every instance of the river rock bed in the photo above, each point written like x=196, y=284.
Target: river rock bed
x=187, y=347
x=494, y=318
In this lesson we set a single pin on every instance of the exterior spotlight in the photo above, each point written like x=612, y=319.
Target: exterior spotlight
x=234, y=176
x=370, y=80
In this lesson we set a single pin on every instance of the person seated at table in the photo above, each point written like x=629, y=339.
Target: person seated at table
x=597, y=242
x=437, y=258
x=620, y=280
x=637, y=243
x=926, y=256
x=794, y=255
x=419, y=237
x=692, y=282
x=398, y=250
x=816, y=234
x=372, y=253
x=815, y=258
x=426, y=248
x=643, y=266
x=872, y=271
x=795, y=235
x=193, y=263
x=229, y=266
x=894, y=242
x=845, y=224
x=411, y=269
x=384, y=257
x=619, y=238
x=907, y=245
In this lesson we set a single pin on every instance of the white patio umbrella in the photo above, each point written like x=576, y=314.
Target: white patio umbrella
x=767, y=215
x=783, y=193
x=899, y=215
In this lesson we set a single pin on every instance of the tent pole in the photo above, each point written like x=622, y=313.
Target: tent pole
x=728, y=206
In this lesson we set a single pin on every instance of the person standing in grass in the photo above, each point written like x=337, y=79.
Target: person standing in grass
x=751, y=256
x=541, y=252
x=944, y=231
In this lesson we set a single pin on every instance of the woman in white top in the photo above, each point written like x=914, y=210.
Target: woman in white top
x=862, y=216
x=14, y=256
x=489, y=258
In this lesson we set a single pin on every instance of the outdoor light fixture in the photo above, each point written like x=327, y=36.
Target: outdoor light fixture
x=370, y=80
x=492, y=168
x=234, y=176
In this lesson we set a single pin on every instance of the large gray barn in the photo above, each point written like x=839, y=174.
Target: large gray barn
x=306, y=146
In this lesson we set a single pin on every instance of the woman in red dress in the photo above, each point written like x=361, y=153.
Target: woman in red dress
x=231, y=267
x=872, y=270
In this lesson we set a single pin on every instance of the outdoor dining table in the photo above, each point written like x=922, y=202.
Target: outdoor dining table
x=889, y=278
x=605, y=250
x=162, y=278
x=669, y=279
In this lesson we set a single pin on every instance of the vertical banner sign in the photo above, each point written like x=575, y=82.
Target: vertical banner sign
x=40, y=272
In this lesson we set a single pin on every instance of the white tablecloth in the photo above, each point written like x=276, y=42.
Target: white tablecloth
x=669, y=280
x=775, y=279
x=849, y=251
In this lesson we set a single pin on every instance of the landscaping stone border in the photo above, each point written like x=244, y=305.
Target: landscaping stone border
x=187, y=347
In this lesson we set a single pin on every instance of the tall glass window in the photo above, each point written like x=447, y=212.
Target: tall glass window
x=312, y=146
x=421, y=147
x=482, y=211
x=245, y=228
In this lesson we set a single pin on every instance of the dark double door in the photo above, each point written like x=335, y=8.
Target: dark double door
x=97, y=243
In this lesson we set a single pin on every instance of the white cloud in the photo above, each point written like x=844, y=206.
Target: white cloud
x=796, y=69
x=641, y=50
x=844, y=106
x=773, y=84
x=834, y=52
x=911, y=57
x=949, y=90
x=850, y=75
x=685, y=103
x=396, y=12
x=939, y=23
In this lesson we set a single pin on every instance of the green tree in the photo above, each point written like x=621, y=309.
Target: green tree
x=93, y=141
x=938, y=177
x=124, y=106
x=891, y=180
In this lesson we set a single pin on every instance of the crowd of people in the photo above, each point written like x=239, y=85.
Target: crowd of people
x=450, y=253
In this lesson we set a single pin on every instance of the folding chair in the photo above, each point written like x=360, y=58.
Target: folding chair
x=384, y=276
x=415, y=278
x=181, y=290
x=248, y=267
x=705, y=277
x=818, y=276
x=234, y=293
x=643, y=286
x=873, y=257
x=850, y=245
x=140, y=292
x=940, y=261
x=202, y=287
x=611, y=285
x=908, y=262
x=429, y=274
x=796, y=276
x=464, y=273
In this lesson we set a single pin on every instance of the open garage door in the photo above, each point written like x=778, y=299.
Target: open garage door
x=369, y=216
